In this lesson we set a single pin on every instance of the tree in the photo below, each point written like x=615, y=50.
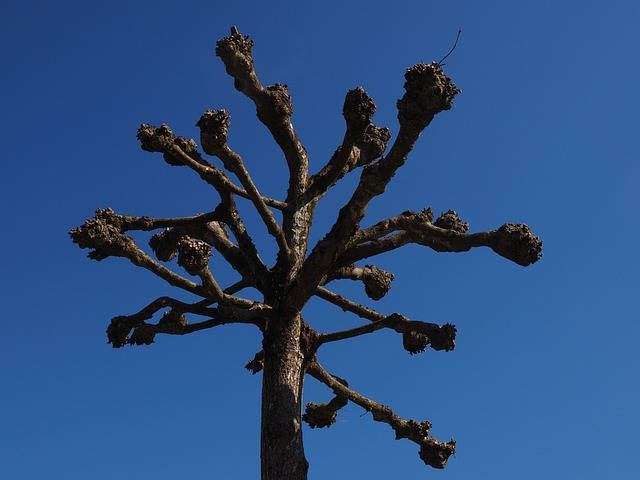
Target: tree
x=300, y=271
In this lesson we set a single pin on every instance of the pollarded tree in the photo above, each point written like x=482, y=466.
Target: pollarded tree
x=290, y=344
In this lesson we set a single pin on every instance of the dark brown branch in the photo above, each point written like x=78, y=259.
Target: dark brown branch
x=273, y=106
x=245, y=242
x=515, y=242
x=358, y=112
x=325, y=414
x=377, y=282
x=213, y=134
x=174, y=321
x=428, y=91
x=106, y=240
x=147, y=224
x=179, y=151
x=432, y=452
x=416, y=335
x=349, y=306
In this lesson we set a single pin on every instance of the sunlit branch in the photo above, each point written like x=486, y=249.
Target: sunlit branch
x=132, y=329
x=245, y=243
x=148, y=224
x=273, y=106
x=377, y=282
x=220, y=181
x=348, y=306
x=233, y=162
x=432, y=451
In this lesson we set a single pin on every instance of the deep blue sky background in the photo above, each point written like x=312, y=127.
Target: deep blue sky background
x=544, y=380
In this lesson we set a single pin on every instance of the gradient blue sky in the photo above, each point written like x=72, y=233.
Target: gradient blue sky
x=544, y=380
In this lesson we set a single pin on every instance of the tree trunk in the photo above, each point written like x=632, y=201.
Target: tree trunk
x=281, y=449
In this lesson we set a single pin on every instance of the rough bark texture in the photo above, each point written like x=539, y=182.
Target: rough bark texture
x=282, y=451
x=291, y=348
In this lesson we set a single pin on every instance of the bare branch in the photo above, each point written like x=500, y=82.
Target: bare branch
x=348, y=306
x=416, y=335
x=245, y=243
x=325, y=414
x=428, y=91
x=358, y=112
x=179, y=151
x=377, y=282
x=432, y=452
x=147, y=224
x=273, y=106
x=515, y=242
x=213, y=135
x=133, y=330
x=106, y=240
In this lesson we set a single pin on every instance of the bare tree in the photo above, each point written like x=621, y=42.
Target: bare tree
x=300, y=272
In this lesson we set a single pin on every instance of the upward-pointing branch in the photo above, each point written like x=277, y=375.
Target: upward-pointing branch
x=428, y=92
x=213, y=136
x=273, y=106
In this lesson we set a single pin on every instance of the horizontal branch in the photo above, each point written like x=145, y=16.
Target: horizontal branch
x=103, y=235
x=133, y=330
x=106, y=240
x=147, y=223
x=377, y=282
x=432, y=452
x=514, y=242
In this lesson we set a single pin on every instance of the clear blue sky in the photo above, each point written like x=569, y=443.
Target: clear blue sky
x=544, y=380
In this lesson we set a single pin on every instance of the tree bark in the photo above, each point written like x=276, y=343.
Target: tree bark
x=281, y=449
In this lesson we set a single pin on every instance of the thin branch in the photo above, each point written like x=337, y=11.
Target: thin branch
x=148, y=224
x=416, y=335
x=233, y=162
x=220, y=181
x=245, y=242
x=433, y=452
x=450, y=51
x=133, y=330
x=349, y=306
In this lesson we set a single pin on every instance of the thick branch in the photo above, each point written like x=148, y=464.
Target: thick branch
x=416, y=335
x=273, y=105
x=433, y=452
x=363, y=142
x=325, y=414
x=377, y=282
x=515, y=242
x=107, y=240
x=428, y=91
x=180, y=151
